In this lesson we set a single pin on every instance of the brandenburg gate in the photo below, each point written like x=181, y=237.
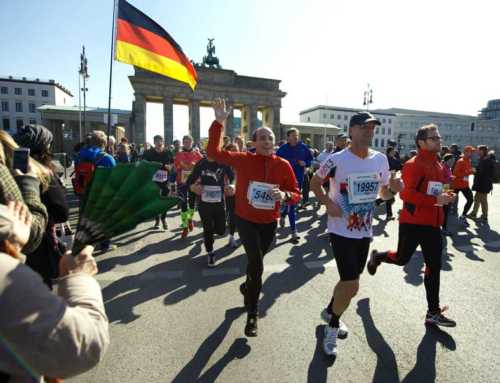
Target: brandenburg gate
x=248, y=94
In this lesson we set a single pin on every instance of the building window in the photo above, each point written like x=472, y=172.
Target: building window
x=345, y=117
x=345, y=128
x=383, y=130
x=18, y=91
x=31, y=92
x=383, y=121
x=377, y=130
x=376, y=142
x=6, y=124
x=382, y=143
x=389, y=120
x=32, y=121
x=4, y=90
x=324, y=116
x=339, y=116
x=19, y=123
x=308, y=119
x=45, y=93
x=5, y=106
x=19, y=107
x=389, y=131
x=332, y=116
x=32, y=108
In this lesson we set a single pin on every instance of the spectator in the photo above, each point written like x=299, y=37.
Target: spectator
x=483, y=183
x=43, y=334
x=123, y=153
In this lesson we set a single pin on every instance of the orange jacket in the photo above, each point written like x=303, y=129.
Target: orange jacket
x=419, y=208
x=253, y=167
x=462, y=171
x=184, y=163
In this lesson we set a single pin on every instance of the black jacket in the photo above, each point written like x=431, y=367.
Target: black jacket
x=483, y=178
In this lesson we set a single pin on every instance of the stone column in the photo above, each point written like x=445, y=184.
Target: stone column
x=251, y=119
x=168, y=120
x=140, y=119
x=194, y=120
x=276, y=123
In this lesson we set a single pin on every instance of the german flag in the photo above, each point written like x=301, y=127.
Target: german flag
x=140, y=41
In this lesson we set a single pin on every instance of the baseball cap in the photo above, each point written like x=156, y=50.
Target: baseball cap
x=341, y=135
x=362, y=118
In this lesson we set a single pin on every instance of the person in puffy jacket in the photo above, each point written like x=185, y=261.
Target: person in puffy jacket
x=483, y=183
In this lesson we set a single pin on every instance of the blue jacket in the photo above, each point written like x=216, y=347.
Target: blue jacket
x=90, y=154
x=294, y=154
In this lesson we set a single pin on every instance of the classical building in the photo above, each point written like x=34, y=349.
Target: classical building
x=340, y=117
x=20, y=98
x=248, y=94
x=400, y=125
x=316, y=134
x=64, y=123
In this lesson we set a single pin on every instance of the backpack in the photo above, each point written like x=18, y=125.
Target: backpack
x=83, y=173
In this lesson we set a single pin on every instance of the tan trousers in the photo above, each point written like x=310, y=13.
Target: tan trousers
x=480, y=198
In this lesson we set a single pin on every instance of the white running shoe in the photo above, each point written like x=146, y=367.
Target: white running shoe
x=233, y=242
x=330, y=341
x=343, y=330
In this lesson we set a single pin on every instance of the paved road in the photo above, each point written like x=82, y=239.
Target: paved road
x=175, y=320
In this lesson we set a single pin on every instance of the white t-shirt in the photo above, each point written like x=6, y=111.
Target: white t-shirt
x=354, y=186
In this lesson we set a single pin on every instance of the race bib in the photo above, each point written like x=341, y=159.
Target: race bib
x=184, y=175
x=259, y=195
x=434, y=188
x=211, y=194
x=160, y=176
x=363, y=187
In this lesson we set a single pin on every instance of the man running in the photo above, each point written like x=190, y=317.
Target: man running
x=159, y=153
x=300, y=157
x=460, y=184
x=358, y=175
x=263, y=181
x=184, y=163
x=210, y=181
x=421, y=219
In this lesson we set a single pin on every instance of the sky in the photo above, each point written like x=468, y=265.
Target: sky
x=429, y=55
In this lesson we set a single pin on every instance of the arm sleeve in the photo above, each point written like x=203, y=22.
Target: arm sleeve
x=411, y=178
x=326, y=167
x=385, y=173
x=56, y=335
x=30, y=191
x=309, y=157
x=214, y=150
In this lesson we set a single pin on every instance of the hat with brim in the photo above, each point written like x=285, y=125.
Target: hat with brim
x=362, y=118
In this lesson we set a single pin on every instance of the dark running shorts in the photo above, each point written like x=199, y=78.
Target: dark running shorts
x=350, y=255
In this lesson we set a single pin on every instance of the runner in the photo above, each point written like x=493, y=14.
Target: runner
x=300, y=157
x=210, y=182
x=263, y=180
x=159, y=153
x=357, y=176
x=461, y=172
x=421, y=219
x=184, y=163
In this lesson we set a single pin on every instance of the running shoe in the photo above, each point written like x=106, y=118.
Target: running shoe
x=190, y=225
x=156, y=226
x=185, y=232
x=343, y=330
x=439, y=319
x=373, y=263
x=164, y=225
x=295, y=237
x=463, y=220
x=211, y=259
x=233, y=242
x=330, y=341
x=251, y=326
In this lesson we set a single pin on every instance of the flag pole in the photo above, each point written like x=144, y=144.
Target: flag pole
x=115, y=5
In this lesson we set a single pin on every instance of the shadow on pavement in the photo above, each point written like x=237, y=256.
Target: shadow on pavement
x=425, y=367
x=386, y=370
x=191, y=372
x=318, y=368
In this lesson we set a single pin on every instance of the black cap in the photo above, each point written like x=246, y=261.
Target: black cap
x=362, y=118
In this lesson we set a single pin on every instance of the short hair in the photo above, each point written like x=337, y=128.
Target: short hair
x=389, y=150
x=483, y=148
x=254, y=133
x=176, y=142
x=292, y=130
x=97, y=138
x=187, y=137
x=423, y=133
x=157, y=137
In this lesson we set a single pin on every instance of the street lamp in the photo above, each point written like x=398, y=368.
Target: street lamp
x=368, y=97
x=83, y=72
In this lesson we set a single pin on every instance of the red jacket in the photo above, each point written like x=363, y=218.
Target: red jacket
x=253, y=167
x=462, y=171
x=419, y=207
x=188, y=159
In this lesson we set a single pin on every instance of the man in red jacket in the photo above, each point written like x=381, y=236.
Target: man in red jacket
x=461, y=172
x=421, y=219
x=263, y=181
